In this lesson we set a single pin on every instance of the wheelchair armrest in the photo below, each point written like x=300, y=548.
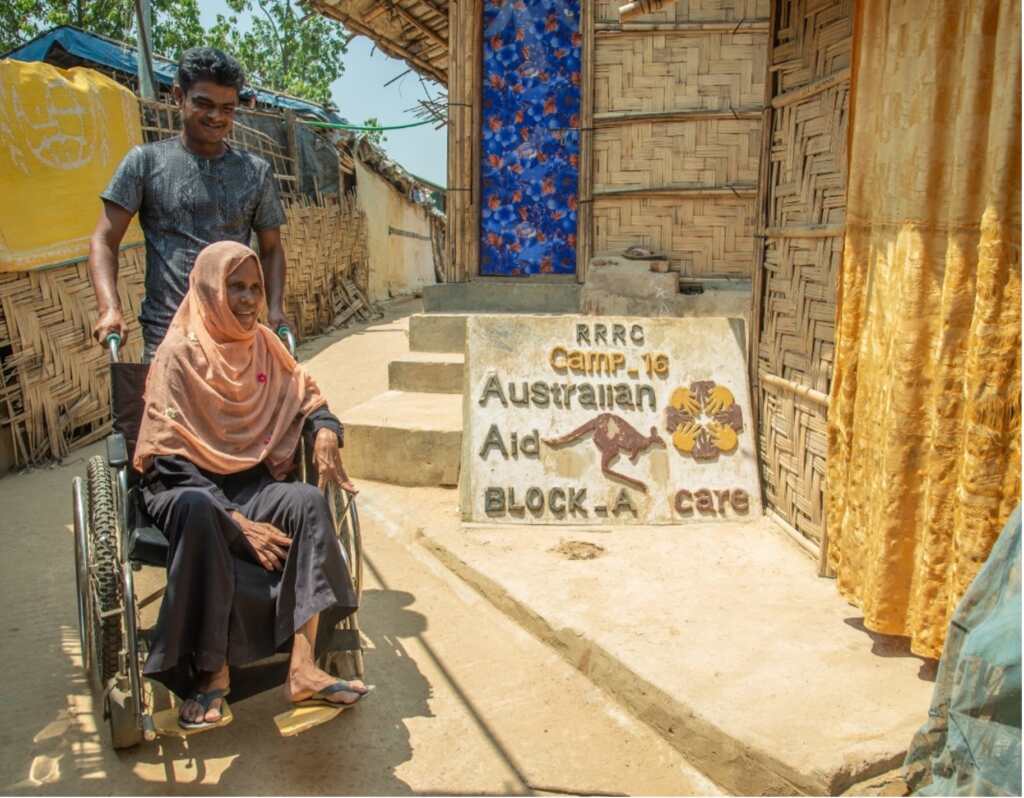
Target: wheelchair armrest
x=117, y=450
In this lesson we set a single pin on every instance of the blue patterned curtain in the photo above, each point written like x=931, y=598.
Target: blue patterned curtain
x=529, y=154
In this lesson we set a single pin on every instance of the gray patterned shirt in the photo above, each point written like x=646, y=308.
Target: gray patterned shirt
x=184, y=203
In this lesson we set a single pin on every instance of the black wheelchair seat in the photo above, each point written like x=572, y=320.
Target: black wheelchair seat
x=148, y=546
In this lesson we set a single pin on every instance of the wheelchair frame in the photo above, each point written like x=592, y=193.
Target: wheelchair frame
x=108, y=608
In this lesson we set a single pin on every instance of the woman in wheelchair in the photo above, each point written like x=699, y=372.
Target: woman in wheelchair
x=253, y=558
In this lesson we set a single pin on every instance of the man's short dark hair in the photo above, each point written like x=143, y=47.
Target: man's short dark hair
x=208, y=63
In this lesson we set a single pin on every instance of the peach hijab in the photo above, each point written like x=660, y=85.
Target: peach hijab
x=223, y=397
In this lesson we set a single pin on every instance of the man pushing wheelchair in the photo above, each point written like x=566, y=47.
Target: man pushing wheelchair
x=252, y=558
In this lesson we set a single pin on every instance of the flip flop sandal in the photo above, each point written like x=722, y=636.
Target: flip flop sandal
x=641, y=253
x=205, y=700
x=320, y=697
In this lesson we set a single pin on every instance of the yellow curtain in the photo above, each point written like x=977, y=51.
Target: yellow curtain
x=924, y=421
x=64, y=133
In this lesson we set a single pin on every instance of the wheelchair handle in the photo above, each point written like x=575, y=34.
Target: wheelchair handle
x=286, y=335
x=114, y=345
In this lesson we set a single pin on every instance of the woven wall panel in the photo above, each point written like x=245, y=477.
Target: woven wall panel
x=808, y=160
x=325, y=245
x=692, y=11
x=813, y=41
x=712, y=236
x=57, y=389
x=708, y=152
x=794, y=444
x=798, y=329
x=654, y=72
x=806, y=185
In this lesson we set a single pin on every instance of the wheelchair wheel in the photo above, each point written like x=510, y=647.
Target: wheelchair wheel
x=86, y=638
x=104, y=570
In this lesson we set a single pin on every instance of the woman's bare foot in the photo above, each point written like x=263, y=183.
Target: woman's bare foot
x=305, y=680
x=192, y=710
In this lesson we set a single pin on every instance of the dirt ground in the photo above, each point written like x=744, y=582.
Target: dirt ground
x=466, y=702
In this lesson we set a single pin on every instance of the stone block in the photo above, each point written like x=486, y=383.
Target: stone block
x=437, y=332
x=607, y=420
x=426, y=372
x=405, y=438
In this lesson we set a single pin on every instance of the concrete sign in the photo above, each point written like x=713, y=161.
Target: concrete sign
x=606, y=420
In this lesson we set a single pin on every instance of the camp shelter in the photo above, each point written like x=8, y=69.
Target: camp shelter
x=736, y=138
x=53, y=386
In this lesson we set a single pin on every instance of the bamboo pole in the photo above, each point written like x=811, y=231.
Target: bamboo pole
x=811, y=89
x=759, y=26
x=740, y=191
x=608, y=119
x=795, y=388
x=585, y=206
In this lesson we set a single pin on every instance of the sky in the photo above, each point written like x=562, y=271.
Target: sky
x=360, y=94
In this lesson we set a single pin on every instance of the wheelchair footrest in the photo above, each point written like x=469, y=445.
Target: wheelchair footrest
x=345, y=640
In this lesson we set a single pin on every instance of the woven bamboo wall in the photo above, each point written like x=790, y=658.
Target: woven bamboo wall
x=803, y=201
x=676, y=148
x=54, y=389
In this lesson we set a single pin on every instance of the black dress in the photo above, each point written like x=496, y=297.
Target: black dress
x=221, y=605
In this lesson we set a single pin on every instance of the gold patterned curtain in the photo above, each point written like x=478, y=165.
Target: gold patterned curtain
x=924, y=421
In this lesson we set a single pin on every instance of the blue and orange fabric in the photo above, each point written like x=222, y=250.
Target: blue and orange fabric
x=529, y=154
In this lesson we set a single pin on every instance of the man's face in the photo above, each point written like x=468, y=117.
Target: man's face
x=208, y=110
x=245, y=293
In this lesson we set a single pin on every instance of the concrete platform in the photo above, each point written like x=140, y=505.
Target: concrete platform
x=720, y=637
x=405, y=438
x=504, y=295
x=427, y=372
x=437, y=332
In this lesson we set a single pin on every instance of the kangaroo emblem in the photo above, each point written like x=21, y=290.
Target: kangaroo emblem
x=613, y=435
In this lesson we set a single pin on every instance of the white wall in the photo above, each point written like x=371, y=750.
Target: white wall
x=398, y=264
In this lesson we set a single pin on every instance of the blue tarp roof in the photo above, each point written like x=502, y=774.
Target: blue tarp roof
x=121, y=57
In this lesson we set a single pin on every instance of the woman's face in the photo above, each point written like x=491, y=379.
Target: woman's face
x=245, y=293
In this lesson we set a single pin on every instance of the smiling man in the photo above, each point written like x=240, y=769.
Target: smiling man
x=189, y=191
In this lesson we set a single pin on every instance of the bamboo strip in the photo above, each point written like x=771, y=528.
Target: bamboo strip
x=605, y=29
x=585, y=212
x=806, y=545
x=811, y=89
x=615, y=118
x=741, y=192
x=795, y=388
x=420, y=26
x=805, y=231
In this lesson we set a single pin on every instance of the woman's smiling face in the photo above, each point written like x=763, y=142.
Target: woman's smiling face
x=245, y=292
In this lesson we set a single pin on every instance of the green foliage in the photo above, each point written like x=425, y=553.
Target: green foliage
x=282, y=49
x=375, y=136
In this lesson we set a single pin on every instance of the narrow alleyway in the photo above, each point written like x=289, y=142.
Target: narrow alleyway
x=467, y=702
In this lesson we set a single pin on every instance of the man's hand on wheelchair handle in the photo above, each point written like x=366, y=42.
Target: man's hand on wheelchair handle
x=268, y=543
x=329, y=467
x=110, y=322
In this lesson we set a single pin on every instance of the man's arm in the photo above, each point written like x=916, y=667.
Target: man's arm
x=272, y=255
x=103, y=250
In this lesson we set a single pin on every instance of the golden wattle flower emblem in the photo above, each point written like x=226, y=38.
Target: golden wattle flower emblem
x=704, y=420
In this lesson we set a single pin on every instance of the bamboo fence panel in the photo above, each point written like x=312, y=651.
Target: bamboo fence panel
x=678, y=98
x=648, y=72
x=704, y=152
x=711, y=237
x=803, y=201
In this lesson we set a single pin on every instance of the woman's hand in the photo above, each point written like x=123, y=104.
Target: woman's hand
x=329, y=467
x=269, y=544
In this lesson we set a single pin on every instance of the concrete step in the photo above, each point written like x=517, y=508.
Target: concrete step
x=509, y=295
x=437, y=332
x=405, y=438
x=427, y=372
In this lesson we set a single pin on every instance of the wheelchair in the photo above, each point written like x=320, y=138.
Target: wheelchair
x=114, y=540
